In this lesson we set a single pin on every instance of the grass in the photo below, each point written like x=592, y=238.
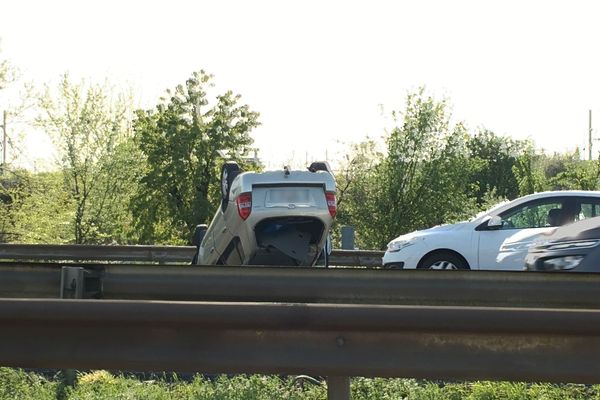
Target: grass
x=16, y=385
x=100, y=385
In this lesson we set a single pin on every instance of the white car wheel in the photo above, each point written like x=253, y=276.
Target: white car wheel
x=443, y=260
x=443, y=265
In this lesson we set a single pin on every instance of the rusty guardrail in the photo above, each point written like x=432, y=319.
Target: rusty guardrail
x=321, y=339
x=149, y=254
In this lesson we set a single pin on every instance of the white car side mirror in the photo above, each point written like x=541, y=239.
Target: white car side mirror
x=495, y=222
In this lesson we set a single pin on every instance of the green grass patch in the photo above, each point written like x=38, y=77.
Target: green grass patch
x=16, y=384
x=100, y=385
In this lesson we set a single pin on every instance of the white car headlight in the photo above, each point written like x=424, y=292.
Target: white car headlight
x=559, y=263
x=397, y=245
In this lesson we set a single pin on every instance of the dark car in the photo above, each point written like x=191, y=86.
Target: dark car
x=574, y=247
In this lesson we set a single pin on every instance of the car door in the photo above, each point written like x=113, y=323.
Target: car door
x=208, y=252
x=221, y=233
x=505, y=247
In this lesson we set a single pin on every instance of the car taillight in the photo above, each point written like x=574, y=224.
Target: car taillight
x=244, y=205
x=331, y=203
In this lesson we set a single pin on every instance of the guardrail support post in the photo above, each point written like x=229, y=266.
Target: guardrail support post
x=347, y=238
x=79, y=283
x=338, y=388
x=71, y=283
x=71, y=287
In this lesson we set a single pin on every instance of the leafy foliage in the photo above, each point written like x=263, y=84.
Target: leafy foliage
x=90, y=130
x=419, y=183
x=567, y=171
x=35, y=208
x=184, y=142
x=101, y=385
x=19, y=385
x=527, y=174
x=424, y=170
x=493, y=158
x=359, y=191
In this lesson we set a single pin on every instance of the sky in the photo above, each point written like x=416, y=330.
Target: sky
x=325, y=74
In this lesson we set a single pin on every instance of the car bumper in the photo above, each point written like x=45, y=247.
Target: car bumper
x=408, y=257
x=394, y=265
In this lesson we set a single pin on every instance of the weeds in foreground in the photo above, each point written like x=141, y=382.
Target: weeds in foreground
x=100, y=385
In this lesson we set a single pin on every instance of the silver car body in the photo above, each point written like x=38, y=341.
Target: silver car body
x=288, y=224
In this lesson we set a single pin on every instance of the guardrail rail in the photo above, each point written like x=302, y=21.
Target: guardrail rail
x=149, y=254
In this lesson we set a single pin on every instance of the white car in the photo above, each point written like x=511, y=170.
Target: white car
x=494, y=240
x=271, y=218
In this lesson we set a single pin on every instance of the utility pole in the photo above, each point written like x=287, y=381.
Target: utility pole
x=590, y=136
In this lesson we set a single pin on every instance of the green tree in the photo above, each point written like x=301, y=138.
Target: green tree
x=90, y=128
x=493, y=158
x=184, y=141
x=14, y=182
x=423, y=175
x=536, y=172
x=527, y=172
x=35, y=208
x=568, y=171
x=359, y=192
x=422, y=180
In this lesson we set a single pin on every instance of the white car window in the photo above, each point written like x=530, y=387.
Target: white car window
x=555, y=211
x=531, y=215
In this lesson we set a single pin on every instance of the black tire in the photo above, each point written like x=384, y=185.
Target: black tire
x=199, y=233
x=320, y=166
x=443, y=260
x=228, y=173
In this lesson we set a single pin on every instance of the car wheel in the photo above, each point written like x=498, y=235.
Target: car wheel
x=228, y=173
x=320, y=166
x=443, y=260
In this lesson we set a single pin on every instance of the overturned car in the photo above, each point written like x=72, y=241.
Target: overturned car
x=270, y=218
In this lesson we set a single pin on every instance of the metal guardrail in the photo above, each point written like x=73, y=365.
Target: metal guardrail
x=353, y=340
x=307, y=285
x=336, y=322
x=149, y=254
x=76, y=252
